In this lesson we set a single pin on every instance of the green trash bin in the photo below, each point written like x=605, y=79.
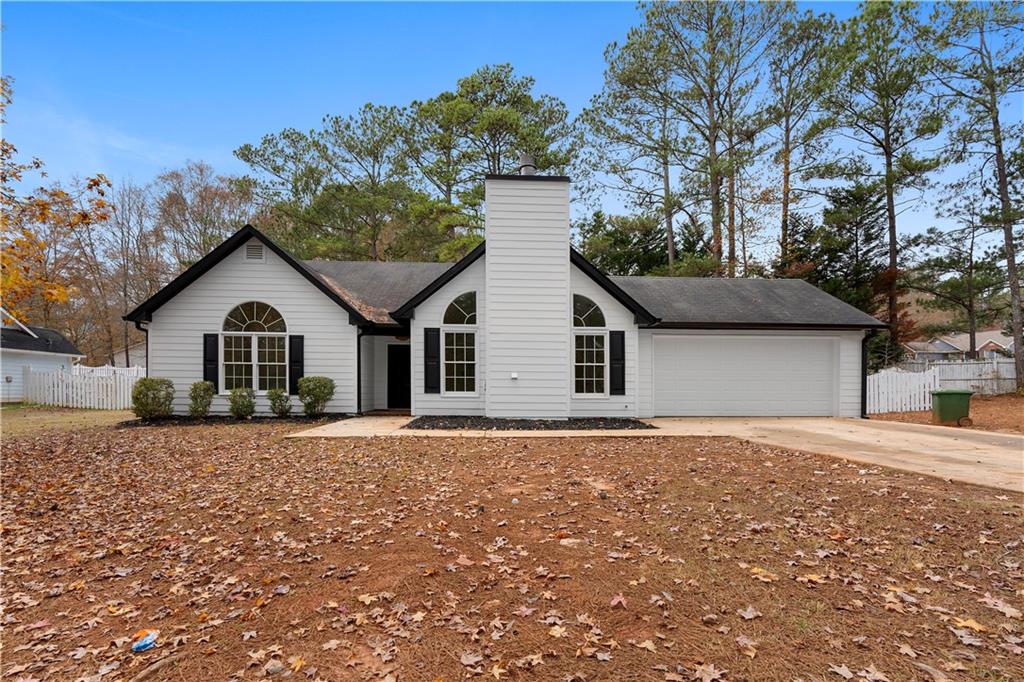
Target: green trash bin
x=952, y=407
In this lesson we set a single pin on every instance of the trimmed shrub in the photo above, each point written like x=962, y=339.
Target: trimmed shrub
x=200, y=396
x=241, y=402
x=153, y=398
x=314, y=394
x=280, y=403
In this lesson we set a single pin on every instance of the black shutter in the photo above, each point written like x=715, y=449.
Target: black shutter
x=617, y=362
x=296, y=362
x=432, y=360
x=211, y=342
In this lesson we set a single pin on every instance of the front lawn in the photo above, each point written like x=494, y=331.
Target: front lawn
x=21, y=419
x=533, y=559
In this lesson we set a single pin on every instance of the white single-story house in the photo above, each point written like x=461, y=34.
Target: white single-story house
x=522, y=327
x=23, y=346
x=989, y=344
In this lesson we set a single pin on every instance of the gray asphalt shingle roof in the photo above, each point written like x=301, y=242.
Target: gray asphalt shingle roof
x=733, y=302
x=49, y=341
x=378, y=288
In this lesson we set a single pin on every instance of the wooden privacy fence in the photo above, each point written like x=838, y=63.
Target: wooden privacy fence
x=897, y=390
x=111, y=391
x=988, y=377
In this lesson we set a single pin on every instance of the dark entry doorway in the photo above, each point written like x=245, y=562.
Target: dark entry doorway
x=399, y=378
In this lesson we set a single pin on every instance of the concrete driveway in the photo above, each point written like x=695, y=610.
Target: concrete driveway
x=980, y=457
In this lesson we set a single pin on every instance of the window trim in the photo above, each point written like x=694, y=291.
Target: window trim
x=590, y=331
x=459, y=329
x=224, y=391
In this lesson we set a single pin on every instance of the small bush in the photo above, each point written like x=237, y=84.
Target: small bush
x=241, y=402
x=153, y=398
x=314, y=394
x=280, y=403
x=200, y=396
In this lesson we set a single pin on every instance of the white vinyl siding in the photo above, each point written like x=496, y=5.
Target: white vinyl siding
x=13, y=363
x=750, y=373
x=176, y=331
x=429, y=314
x=527, y=299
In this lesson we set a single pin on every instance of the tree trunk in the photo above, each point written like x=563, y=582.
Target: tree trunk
x=892, y=271
x=784, y=232
x=732, y=219
x=1006, y=218
x=666, y=203
x=716, y=208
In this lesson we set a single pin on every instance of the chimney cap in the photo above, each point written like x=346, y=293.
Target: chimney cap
x=526, y=164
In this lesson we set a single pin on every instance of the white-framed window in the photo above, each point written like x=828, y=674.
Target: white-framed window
x=254, y=326
x=459, y=345
x=590, y=348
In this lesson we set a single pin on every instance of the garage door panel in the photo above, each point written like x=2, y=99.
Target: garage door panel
x=743, y=376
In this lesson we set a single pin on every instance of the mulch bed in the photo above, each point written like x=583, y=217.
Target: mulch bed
x=493, y=424
x=214, y=420
x=422, y=559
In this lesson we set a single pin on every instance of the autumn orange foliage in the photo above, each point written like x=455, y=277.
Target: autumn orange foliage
x=23, y=275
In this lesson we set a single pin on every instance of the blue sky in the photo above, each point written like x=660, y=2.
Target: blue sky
x=131, y=89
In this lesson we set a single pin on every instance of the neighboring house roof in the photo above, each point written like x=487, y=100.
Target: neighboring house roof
x=695, y=302
x=384, y=293
x=41, y=340
x=951, y=344
x=928, y=347
x=962, y=341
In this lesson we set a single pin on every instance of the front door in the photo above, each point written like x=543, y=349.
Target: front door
x=399, y=378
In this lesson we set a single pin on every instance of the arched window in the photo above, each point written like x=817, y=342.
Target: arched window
x=590, y=359
x=254, y=317
x=254, y=325
x=460, y=344
x=586, y=313
x=462, y=310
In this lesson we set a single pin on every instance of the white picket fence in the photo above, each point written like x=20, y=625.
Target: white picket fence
x=987, y=377
x=108, y=371
x=907, y=388
x=96, y=391
x=898, y=390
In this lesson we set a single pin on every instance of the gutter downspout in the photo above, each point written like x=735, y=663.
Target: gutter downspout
x=864, y=372
x=138, y=325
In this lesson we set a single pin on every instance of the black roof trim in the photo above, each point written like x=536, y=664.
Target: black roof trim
x=144, y=312
x=765, y=325
x=405, y=311
x=531, y=178
x=641, y=313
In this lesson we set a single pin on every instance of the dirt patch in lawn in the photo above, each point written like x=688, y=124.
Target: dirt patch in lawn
x=989, y=413
x=20, y=420
x=492, y=424
x=529, y=559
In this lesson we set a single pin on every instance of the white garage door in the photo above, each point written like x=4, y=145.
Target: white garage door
x=744, y=376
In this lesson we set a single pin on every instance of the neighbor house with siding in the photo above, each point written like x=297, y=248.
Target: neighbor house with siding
x=23, y=347
x=522, y=327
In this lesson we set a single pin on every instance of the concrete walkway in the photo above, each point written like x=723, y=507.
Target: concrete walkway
x=980, y=457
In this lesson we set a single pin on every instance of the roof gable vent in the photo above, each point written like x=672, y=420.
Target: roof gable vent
x=254, y=252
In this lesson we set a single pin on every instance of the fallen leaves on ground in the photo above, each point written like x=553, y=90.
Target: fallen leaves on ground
x=423, y=559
